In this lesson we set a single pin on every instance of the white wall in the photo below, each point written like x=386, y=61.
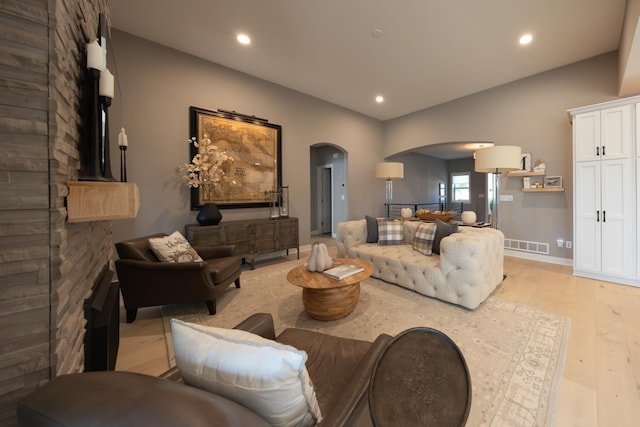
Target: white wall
x=530, y=113
x=156, y=87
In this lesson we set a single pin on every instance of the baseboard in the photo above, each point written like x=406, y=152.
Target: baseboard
x=537, y=257
x=605, y=278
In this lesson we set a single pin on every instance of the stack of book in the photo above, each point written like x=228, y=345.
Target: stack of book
x=342, y=271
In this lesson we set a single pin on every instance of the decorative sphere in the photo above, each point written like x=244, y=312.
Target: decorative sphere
x=406, y=213
x=468, y=217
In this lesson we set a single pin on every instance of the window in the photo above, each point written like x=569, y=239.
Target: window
x=460, y=191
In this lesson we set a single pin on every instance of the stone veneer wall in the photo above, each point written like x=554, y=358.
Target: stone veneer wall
x=47, y=266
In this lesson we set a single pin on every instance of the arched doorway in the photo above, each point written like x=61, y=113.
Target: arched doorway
x=328, y=188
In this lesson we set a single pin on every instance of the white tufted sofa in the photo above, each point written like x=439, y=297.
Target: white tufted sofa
x=468, y=269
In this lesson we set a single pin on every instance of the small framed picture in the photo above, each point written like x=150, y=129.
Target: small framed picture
x=525, y=162
x=552, y=181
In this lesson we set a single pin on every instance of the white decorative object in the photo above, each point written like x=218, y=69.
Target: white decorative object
x=540, y=167
x=206, y=168
x=406, y=213
x=267, y=377
x=319, y=259
x=468, y=217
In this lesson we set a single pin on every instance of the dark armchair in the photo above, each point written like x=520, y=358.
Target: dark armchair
x=145, y=281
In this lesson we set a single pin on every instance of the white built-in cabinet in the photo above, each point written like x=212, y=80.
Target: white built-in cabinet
x=606, y=191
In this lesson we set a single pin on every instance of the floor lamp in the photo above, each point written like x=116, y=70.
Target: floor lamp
x=496, y=160
x=389, y=171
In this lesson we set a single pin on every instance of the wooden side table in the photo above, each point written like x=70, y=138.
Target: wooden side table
x=325, y=298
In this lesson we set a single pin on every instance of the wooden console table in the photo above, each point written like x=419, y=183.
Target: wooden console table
x=251, y=237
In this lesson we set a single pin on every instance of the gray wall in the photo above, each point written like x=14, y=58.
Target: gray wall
x=157, y=86
x=422, y=174
x=477, y=185
x=530, y=113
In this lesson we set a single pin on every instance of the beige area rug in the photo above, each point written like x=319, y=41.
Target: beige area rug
x=515, y=353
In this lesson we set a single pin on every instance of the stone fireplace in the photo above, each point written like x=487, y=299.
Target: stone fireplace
x=47, y=265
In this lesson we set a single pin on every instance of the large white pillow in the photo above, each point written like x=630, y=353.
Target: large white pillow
x=267, y=377
x=173, y=248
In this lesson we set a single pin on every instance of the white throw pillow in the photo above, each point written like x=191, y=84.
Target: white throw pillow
x=267, y=377
x=173, y=248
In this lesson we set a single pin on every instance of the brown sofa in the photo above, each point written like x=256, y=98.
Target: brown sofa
x=340, y=369
x=147, y=282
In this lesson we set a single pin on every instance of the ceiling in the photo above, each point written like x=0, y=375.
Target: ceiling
x=429, y=51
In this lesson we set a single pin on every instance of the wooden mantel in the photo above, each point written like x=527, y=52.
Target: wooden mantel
x=101, y=201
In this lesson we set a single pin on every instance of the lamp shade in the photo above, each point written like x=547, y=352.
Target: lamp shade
x=390, y=170
x=501, y=158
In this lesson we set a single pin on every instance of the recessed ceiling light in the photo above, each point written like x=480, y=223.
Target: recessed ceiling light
x=525, y=39
x=243, y=39
x=379, y=99
x=377, y=33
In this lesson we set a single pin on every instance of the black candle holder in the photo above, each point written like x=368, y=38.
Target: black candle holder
x=123, y=163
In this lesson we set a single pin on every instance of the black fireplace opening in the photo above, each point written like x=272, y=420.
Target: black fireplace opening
x=102, y=313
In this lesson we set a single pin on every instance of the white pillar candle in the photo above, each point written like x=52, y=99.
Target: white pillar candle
x=95, y=56
x=106, y=83
x=122, y=138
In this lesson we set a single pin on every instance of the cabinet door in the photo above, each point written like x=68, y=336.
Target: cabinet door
x=205, y=235
x=638, y=208
x=264, y=237
x=238, y=234
x=287, y=233
x=617, y=219
x=616, y=138
x=586, y=136
x=587, y=217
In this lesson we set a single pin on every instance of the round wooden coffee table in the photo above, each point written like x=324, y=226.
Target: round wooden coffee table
x=329, y=299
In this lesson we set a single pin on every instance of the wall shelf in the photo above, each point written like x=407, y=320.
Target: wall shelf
x=525, y=173
x=101, y=201
x=543, y=190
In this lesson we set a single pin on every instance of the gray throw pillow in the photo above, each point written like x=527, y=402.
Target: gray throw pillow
x=372, y=229
x=442, y=230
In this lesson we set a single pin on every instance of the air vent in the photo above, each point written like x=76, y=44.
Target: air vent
x=527, y=246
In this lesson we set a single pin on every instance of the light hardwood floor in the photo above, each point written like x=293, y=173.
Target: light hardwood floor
x=601, y=382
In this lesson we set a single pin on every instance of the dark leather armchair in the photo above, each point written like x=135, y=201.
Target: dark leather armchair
x=145, y=281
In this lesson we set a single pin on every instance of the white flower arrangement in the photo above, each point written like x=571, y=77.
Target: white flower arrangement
x=205, y=169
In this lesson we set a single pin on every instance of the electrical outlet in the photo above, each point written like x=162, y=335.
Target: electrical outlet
x=568, y=244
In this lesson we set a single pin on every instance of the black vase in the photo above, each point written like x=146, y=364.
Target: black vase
x=209, y=215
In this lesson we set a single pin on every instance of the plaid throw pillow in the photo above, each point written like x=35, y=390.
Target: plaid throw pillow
x=423, y=240
x=390, y=232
